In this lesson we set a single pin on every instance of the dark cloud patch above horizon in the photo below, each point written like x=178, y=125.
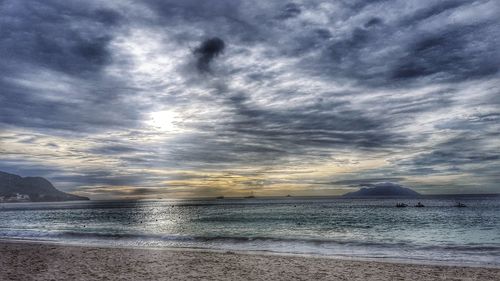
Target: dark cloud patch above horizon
x=366, y=181
x=207, y=52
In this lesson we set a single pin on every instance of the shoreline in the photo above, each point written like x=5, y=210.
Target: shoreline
x=408, y=261
x=23, y=260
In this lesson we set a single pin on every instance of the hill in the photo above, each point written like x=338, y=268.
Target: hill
x=14, y=188
x=385, y=189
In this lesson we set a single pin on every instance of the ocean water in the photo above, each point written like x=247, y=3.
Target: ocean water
x=373, y=229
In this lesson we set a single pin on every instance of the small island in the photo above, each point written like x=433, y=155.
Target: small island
x=14, y=188
x=385, y=189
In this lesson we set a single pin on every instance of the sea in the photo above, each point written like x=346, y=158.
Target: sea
x=438, y=233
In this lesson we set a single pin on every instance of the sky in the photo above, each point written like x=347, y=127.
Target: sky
x=188, y=98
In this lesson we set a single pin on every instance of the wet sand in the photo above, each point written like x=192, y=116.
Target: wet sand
x=37, y=261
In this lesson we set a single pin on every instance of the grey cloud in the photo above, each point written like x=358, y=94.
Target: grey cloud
x=366, y=181
x=409, y=105
x=102, y=178
x=458, y=154
x=108, y=17
x=53, y=56
x=252, y=134
x=290, y=10
x=114, y=149
x=381, y=184
x=454, y=54
x=375, y=51
x=323, y=33
x=26, y=168
x=343, y=49
x=220, y=17
x=195, y=10
x=450, y=52
x=208, y=51
x=373, y=22
x=357, y=5
x=63, y=114
x=49, y=36
x=433, y=10
x=320, y=124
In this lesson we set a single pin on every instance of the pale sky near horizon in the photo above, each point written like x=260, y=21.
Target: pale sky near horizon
x=148, y=99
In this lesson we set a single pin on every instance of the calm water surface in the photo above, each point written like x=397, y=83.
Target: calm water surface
x=335, y=227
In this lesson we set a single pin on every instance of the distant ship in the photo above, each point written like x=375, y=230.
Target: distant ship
x=419, y=205
x=219, y=197
x=250, y=196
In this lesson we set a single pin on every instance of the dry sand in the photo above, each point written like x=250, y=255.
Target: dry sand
x=35, y=261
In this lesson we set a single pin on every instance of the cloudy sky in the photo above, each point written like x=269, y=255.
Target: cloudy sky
x=182, y=98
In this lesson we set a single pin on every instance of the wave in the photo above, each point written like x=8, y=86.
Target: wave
x=74, y=235
x=477, y=254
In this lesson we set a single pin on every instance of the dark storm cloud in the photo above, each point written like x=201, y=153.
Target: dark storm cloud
x=223, y=149
x=357, y=5
x=290, y=10
x=53, y=54
x=45, y=33
x=63, y=114
x=208, y=51
x=109, y=178
x=373, y=22
x=357, y=40
x=454, y=155
x=195, y=10
x=433, y=10
x=25, y=168
x=268, y=136
x=454, y=53
x=451, y=51
x=321, y=124
x=215, y=17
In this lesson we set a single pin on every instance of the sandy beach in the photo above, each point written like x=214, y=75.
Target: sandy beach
x=36, y=261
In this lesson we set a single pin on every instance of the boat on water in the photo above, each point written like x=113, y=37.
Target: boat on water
x=250, y=196
x=419, y=205
x=401, y=205
x=219, y=197
x=460, y=205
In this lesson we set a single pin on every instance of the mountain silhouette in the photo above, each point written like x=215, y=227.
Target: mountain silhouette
x=14, y=188
x=385, y=189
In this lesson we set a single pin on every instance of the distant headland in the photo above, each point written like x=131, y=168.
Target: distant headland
x=14, y=188
x=385, y=189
